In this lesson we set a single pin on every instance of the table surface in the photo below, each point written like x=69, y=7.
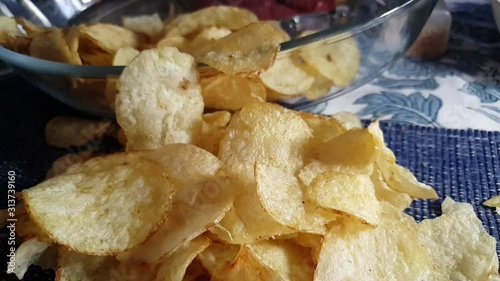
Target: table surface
x=461, y=90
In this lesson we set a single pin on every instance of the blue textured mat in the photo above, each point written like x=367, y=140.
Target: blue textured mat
x=464, y=165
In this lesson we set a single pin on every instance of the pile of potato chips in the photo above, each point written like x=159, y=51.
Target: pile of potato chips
x=264, y=193
x=231, y=47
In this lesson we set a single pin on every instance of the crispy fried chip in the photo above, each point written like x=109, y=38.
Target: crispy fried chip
x=30, y=28
x=219, y=16
x=27, y=229
x=228, y=92
x=246, y=268
x=338, y=61
x=324, y=128
x=75, y=266
x=73, y=41
x=174, y=267
x=8, y=28
x=159, y=100
x=64, y=162
x=493, y=202
x=205, y=38
x=65, y=131
x=231, y=229
x=349, y=120
x=346, y=193
x=217, y=256
x=196, y=272
x=108, y=37
x=214, y=128
x=85, y=196
x=296, y=81
x=150, y=25
x=240, y=53
x=27, y=254
x=178, y=42
x=312, y=241
x=355, y=251
x=122, y=58
x=399, y=200
x=460, y=247
x=51, y=45
x=289, y=260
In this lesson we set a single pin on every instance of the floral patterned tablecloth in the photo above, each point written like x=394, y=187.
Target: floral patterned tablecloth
x=461, y=90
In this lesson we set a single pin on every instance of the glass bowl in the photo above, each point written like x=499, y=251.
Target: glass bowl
x=383, y=31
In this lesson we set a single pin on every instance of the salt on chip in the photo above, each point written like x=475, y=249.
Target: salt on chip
x=173, y=268
x=240, y=53
x=217, y=256
x=150, y=25
x=460, y=247
x=356, y=251
x=51, y=45
x=232, y=18
x=291, y=261
x=65, y=131
x=61, y=164
x=27, y=254
x=347, y=193
x=286, y=77
x=245, y=267
x=159, y=100
x=80, y=193
x=108, y=37
x=338, y=61
x=228, y=92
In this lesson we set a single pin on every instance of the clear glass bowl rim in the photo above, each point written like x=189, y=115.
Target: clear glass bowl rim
x=86, y=71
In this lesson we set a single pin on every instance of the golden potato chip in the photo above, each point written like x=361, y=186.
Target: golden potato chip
x=231, y=229
x=217, y=256
x=61, y=164
x=354, y=148
x=30, y=28
x=347, y=193
x=492, y=202
x=77, y=197
x=245, y=267
x=178, y=42
x=205, y=38
x=286, y=77
x=338, y=61
x=312, y=241
x=108, y=37
x=240, y=53
x=232, y=18
x=27, y=254
x=75, y=266
x=159, y=100
x=324, y=128
x=356, y=251
x=27, y=229
x=349, y=120
x=51, y=45
x=122, y=58
x=174, y=267
x=213, y=129
x=228, y=92
x=203, y=196
x=399, y=200
x=65, y=131
x=8, y=28
x=73, y=41
x=150, y=25
x=460, y=247
x=320, y=88
x=196, y=272
x=289, y=260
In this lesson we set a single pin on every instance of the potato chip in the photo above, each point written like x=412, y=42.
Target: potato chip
x=150, y=25
x=320, y=88
x=286, y=77
x=27, y=254
x=84, y=189
x=8, y=28
x=65, y=131
x=203, y=196
x=19, y=44
x=245, y=267
x=213, y=129
x=48, y=259
x=354, y=148
x=196, y=272
x=27, y=229
x=349, y=120
x=400, y=201
x=289, y=260
x=108, y=37
x=174, y=267
x=231, y=229
x=217, y=256
x=178, y=42
x=346, y=193
x=159, y=100
x=338, y=61
x=324, y=128
x=75, y=266
x=73, y=41
x=228, y=92
x=232, y=18
x=122, y=58
x=64, y=162
x=312, y=241
x=492, y=202
x=240, y=53
x=460, y=247
x=390, y=251
x=30, y=28
x=51, y=45
x=205, y=38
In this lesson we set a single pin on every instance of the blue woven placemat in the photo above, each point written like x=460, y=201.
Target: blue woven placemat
x=464, y=165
